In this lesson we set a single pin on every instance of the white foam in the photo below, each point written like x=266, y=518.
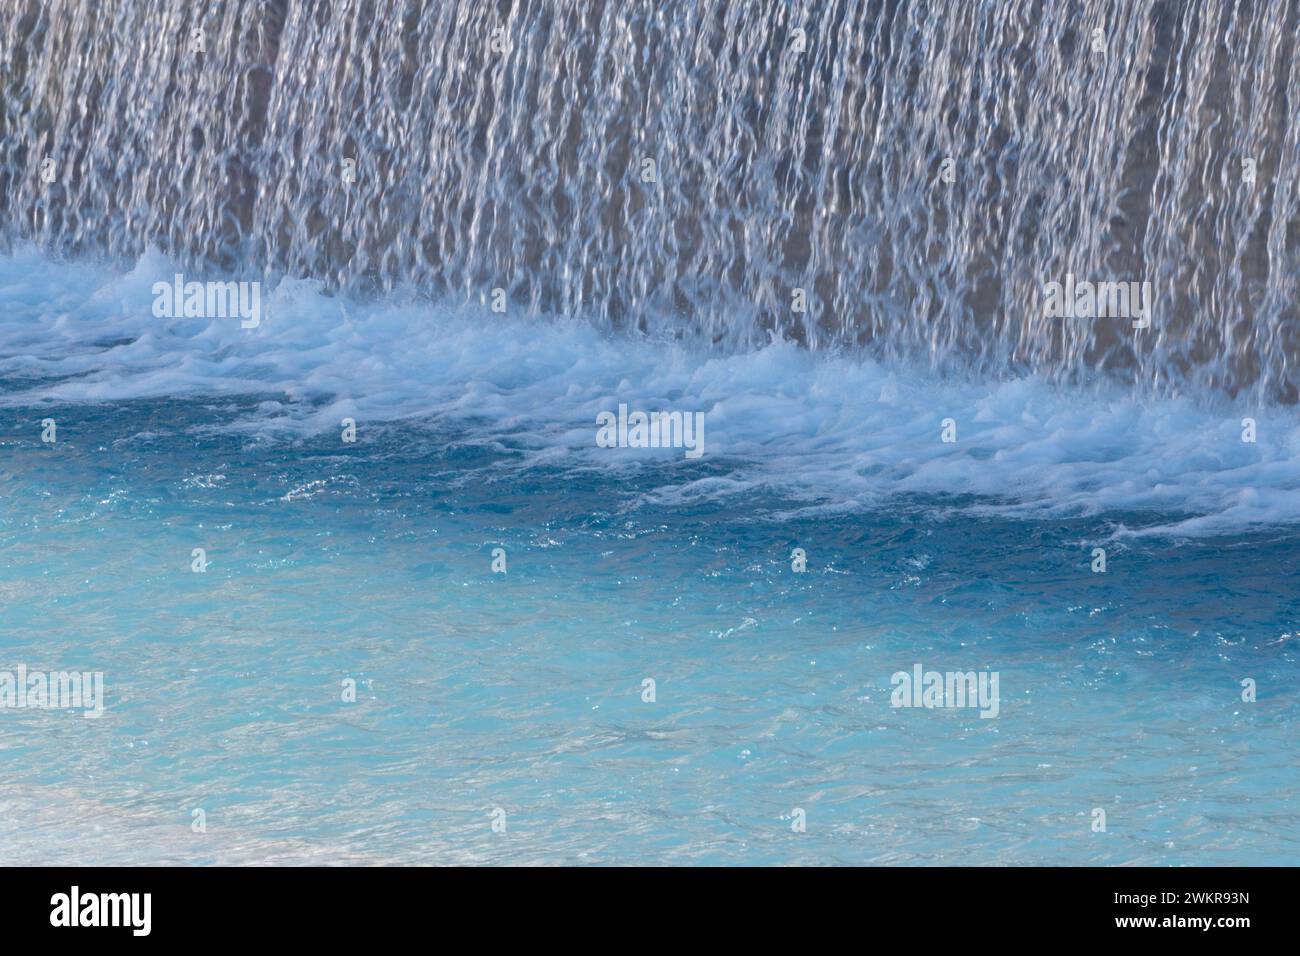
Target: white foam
x=833, y=432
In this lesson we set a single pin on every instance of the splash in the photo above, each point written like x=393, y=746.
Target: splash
x=825, y=434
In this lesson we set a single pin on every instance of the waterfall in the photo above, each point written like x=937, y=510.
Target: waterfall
x=898, y=176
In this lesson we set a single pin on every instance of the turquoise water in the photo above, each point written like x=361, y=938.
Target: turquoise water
x=833, y=236
x=522, y=691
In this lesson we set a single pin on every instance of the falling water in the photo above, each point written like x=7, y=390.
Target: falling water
x=915, y=171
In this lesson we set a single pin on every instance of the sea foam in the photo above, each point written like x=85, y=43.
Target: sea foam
x=832, y=431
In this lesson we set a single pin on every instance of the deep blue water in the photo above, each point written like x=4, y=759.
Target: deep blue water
x=523, y=691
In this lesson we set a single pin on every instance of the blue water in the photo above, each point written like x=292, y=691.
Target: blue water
x=522, y=691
